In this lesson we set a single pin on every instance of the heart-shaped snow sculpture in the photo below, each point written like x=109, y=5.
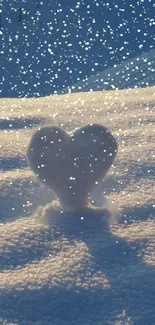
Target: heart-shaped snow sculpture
x=72, y=164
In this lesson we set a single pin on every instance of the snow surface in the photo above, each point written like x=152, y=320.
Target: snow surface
x=51, y=274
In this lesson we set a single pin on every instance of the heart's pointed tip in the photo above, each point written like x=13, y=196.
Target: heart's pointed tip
x=90, y=216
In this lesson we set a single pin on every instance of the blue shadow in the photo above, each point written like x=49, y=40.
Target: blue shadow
x=10, y=163
x=15, y=124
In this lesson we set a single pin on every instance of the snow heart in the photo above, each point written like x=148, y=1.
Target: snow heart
x=72, y=164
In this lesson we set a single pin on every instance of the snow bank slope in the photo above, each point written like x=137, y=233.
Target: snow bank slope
x=135, y=73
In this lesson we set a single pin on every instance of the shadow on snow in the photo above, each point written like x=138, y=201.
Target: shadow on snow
x=10, y=163
x=15, y=124
x=131, y=282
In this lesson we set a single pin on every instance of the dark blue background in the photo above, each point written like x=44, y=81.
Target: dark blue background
x=85, y=37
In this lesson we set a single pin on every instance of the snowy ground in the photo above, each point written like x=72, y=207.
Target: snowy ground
x=79, y=275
